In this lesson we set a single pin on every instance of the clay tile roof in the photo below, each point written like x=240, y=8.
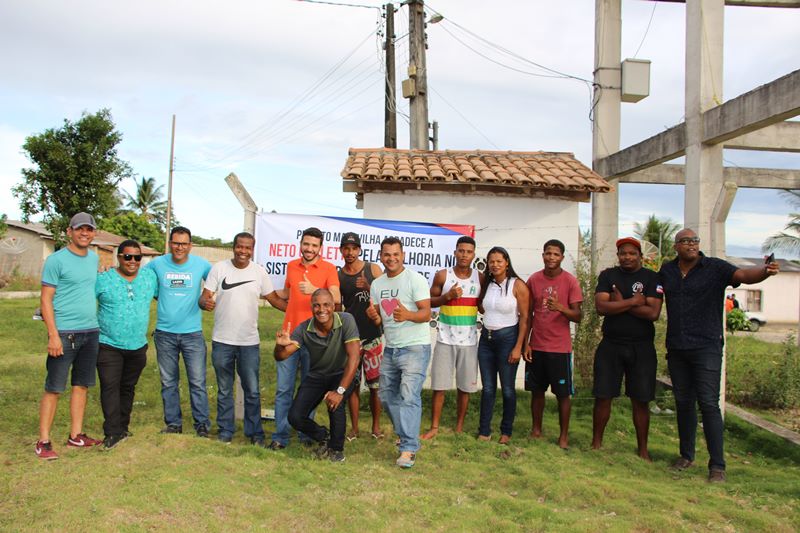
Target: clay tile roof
x=555, y=171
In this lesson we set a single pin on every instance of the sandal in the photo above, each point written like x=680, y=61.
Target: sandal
x=378, y=436
x=352, y=436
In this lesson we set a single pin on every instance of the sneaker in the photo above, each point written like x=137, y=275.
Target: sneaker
x=170, y=429
x=322, y=451
x=44, y=450
x=275, y=446
x=715, y=475
x=336, y=456
x=202, y=432
x=682, y=463
x=258, y=441
x=224, y=439
x=406, y=460
x=112, y=440
x=82, y=440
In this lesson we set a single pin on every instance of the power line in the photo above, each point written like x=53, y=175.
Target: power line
x=653, y=12
x=341, y=4
x=463, y=117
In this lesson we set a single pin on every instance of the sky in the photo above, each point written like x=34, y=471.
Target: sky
x=277, y=91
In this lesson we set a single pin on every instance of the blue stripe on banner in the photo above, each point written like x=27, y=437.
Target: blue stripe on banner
x=408, y=227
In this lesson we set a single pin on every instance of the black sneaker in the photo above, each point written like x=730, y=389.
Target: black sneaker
x=716, y=475
x=322, y=451
x=170, y=429
x=202, y=432
x=275, y=446
x=112, y=440
x=258, y=441
x=336, y=456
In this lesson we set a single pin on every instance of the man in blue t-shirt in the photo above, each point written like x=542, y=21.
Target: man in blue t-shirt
x=70, y=314
x=179, y=330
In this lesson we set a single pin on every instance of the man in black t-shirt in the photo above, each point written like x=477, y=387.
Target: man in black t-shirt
x=332, y=342
x=629, y=297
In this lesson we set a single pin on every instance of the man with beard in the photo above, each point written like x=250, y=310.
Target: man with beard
x=629, y=297
x=694, y=287
x=304, y=275
x=355, y=278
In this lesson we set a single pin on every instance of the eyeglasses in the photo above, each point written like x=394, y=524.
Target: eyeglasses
x=688, y=240
x=180, y=244
x=128, y=257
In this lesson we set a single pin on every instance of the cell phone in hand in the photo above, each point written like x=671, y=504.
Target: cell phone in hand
x=770, y=259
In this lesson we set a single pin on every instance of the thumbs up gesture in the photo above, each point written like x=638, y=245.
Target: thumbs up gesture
x=306, y=287
x=552, y=302
x=400, y=313
x=361, y=281
x=282, y=337
x=455, y=292
x=373, y=314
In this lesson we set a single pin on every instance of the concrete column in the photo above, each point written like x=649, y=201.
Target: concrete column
x=704, y=43
x=606, y=125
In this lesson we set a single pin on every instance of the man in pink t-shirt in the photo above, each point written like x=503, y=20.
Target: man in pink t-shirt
x=555, y=302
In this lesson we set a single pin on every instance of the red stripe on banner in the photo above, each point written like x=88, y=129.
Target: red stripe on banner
x=463, y=229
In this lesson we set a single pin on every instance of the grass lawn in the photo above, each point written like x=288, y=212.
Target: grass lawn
x=180, y=482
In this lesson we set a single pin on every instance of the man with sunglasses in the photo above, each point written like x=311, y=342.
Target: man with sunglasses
x=124, y=295
x=694, y=287
x=179, y=330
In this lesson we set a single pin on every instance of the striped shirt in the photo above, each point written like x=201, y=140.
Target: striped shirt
x=458, y=318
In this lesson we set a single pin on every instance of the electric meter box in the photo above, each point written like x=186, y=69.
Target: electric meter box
x=635, y=79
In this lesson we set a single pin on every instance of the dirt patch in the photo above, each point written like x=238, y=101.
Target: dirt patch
x=772, y=332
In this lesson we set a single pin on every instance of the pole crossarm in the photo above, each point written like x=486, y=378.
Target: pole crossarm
x=241, y=193
x=773, y=102
x=746, y=177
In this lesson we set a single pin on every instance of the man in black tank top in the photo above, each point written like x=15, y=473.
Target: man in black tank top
x=355, y=278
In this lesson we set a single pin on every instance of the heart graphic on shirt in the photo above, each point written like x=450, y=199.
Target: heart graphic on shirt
x=389, y=305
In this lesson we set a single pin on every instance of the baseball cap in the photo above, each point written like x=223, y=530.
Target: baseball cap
x=629, y=240
x=351, y=238
x=82, y=219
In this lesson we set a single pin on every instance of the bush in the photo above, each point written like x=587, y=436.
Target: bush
x=588, y=331
x=736, y=320
x=764, y=377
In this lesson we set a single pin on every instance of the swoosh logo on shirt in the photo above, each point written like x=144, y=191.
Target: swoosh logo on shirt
x=227, y=286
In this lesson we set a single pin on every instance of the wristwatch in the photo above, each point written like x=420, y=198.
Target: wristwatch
x=341, y=390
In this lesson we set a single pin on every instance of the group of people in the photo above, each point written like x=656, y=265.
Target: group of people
x=366, y=322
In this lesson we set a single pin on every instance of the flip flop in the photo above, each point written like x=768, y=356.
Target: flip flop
x=378, y=436
x=351, y=437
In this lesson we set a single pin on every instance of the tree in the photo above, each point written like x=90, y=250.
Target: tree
x=787, y=241
x=661, y=233
x=76, y=168
x=134, y=226
x=148, y=201
x=3, y=225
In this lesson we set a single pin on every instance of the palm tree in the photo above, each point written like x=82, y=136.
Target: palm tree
x=660, y=233
x=787, y=241
x=148, y=201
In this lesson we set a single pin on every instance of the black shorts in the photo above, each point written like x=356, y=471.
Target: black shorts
x=636, y=360
x=552, y=370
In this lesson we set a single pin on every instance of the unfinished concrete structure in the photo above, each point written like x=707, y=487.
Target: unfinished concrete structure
x=755, y=120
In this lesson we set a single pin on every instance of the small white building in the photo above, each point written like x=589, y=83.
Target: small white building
x=777, y=298
x=517, y=200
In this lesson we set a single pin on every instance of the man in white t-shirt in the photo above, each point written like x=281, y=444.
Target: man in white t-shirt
x=402, y=303
x=232, y=291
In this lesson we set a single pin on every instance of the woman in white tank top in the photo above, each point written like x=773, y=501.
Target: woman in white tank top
x=504, y=303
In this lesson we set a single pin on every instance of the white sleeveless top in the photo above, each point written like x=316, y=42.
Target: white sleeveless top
x=458, y=318
x=500, y=306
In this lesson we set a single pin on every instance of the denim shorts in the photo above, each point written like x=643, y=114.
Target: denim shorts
x=80, y=352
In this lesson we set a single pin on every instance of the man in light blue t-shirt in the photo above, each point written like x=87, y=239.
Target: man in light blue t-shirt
x=70, y=314
x=402, y=303
x=179, y=330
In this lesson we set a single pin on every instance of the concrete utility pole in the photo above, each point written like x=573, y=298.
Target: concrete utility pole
x=606, y=126
x=169, y=187
x=435, y=135
x=390, y=115
x=417, y=71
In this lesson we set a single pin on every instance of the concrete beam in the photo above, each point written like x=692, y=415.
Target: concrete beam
x=662, y=147
x=753, y=178
x=748, y=3
x=780, y=137
x=772, y=102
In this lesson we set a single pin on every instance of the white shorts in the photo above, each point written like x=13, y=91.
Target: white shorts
x=462, y=359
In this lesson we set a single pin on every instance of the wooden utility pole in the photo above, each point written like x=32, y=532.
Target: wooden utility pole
x=417, y=71
x=390, y=121
x=169, y=187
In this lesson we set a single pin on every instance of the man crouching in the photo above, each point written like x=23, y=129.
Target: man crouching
x=333, y=343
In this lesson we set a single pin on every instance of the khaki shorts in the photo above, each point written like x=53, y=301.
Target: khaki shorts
x=462, y=359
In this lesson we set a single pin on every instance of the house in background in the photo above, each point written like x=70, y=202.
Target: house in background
x=27, y=245
x=517, y=200
x=777, y=298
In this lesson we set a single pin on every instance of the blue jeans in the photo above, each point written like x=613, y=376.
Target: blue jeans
x=695, y=378
x=245, y=360
x=493, y=350
x=403, y=372
x=168, y=348
x=284, y=393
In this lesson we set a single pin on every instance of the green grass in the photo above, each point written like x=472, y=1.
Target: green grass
x=180, y=482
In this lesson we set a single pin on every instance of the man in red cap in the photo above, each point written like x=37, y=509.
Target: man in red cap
x=629, y=297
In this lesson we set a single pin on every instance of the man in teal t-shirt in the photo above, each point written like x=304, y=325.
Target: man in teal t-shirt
x=70, y=314
x=179, y=330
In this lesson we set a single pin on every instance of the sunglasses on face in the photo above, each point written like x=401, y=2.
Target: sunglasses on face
x=689, y=240
x=128, y=257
